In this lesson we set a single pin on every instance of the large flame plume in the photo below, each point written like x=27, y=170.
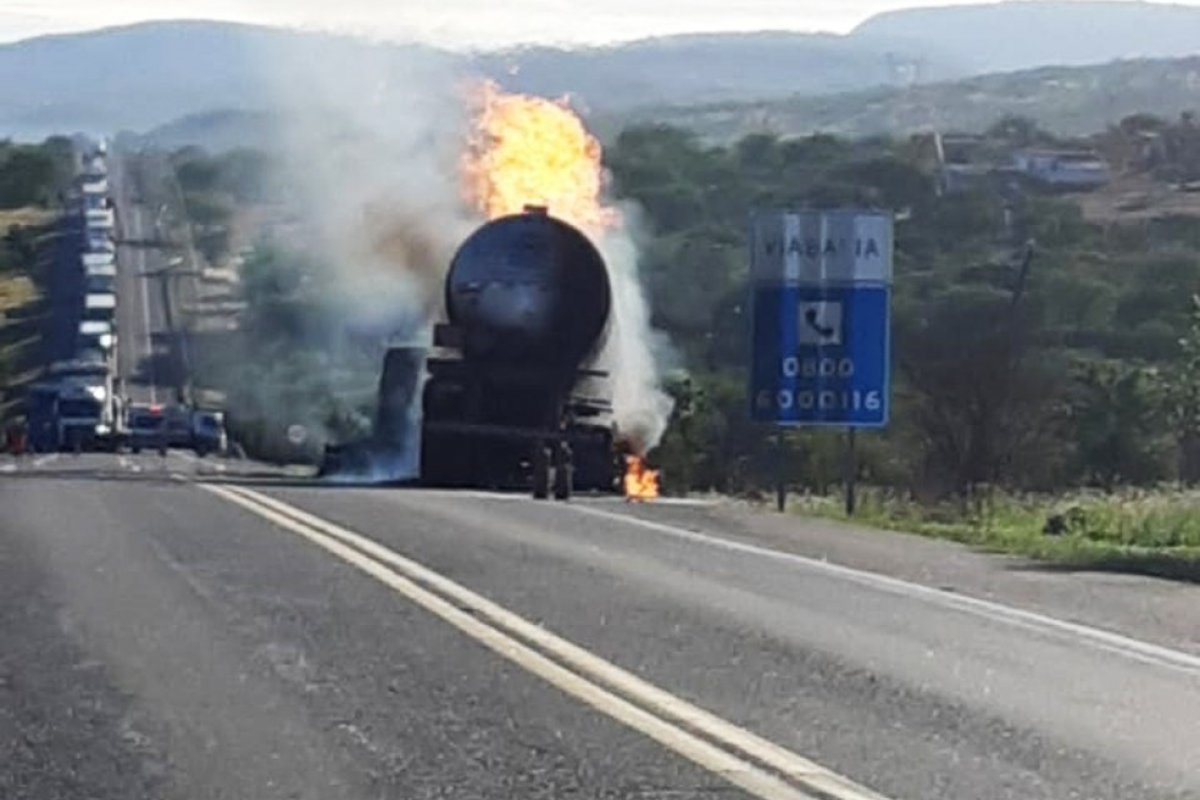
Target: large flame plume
x=530, y=150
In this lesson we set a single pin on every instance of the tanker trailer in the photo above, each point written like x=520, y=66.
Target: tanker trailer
x=509, y=400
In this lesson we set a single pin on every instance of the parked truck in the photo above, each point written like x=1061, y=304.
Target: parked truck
x=85, y=405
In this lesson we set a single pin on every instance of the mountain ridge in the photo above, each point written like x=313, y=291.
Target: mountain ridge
x=143, y=76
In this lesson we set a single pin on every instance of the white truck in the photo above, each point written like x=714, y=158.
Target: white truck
x=99, y=220
x=86, y=405
x=100, y=307
x=101, y=260
x=97, y=335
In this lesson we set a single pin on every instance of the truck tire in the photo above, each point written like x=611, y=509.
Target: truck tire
x=541, y=472
x=564, y=471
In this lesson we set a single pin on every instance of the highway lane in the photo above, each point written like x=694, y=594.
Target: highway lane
x=226, y=659
x=232, y=650
x=146, y=361
x=915, y=698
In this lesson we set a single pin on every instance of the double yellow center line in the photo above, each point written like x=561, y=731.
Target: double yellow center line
x=760, y=767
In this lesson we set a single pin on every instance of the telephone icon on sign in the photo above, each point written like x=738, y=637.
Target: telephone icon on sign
x=820, y=322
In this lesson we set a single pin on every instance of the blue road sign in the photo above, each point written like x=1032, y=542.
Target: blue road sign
x=821, y=355
x=821, y=318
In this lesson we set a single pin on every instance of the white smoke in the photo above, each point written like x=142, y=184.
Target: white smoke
x=372, y=148
x=373, y=145
x=368, y=149
x=641, y=409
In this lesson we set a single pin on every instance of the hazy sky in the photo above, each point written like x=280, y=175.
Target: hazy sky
x=461, y=22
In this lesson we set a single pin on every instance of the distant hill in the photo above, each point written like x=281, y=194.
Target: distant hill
x=217, y=131
x=1066, y=100
x=1000, y=37
x=143, y=76
x=712, y=67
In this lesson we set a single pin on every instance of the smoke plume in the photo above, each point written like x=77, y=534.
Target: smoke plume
x=373, y=153
x=640, y=407
x=369, y=150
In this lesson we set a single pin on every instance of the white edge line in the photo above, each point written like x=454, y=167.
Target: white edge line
x=1138, y=649
x=797, y=767
x=707, y=755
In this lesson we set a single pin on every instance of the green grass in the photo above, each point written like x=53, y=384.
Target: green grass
x=1152, y=532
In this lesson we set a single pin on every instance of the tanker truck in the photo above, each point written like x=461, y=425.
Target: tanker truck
x=508, y=395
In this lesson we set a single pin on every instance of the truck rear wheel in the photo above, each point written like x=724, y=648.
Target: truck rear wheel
x=564, y=471
x=541, y=472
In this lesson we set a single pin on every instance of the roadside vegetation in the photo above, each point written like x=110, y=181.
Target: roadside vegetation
x=1144, y=531
x=1036, y=355
x=32, y=181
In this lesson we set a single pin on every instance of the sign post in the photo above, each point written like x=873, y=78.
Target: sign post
x=821, y=284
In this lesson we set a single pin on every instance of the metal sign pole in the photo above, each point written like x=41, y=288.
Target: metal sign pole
x=780, y=471
x=851, y=471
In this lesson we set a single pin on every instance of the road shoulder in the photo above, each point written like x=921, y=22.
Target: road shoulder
x=1159, y=611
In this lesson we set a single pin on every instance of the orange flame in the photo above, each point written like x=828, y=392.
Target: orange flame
x=531, y=151
x=641, y=483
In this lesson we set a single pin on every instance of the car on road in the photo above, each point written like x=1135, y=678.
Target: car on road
x=145, y=428
x=178, y=426
x=208, y=432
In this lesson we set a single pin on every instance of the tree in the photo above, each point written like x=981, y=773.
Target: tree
x=1117, y=428
x=27, y=178
x=1181, y=395
x=982, y=408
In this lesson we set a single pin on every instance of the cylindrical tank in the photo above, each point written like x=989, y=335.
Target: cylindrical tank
x=528, y=290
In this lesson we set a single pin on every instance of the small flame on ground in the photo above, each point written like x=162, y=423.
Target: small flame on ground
x=641, y=483
x=527, y=150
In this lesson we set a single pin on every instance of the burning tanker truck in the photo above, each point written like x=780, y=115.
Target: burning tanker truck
x=508, y=395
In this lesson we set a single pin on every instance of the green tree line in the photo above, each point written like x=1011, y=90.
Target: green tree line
x=1032, y=349
x=35, y=174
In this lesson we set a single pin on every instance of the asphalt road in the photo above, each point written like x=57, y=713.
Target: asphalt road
x=148, y=362
x=177, y=628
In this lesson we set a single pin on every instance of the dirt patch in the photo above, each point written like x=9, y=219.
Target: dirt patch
x=1137, y=198
x=28, y=217
x=16, y=292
